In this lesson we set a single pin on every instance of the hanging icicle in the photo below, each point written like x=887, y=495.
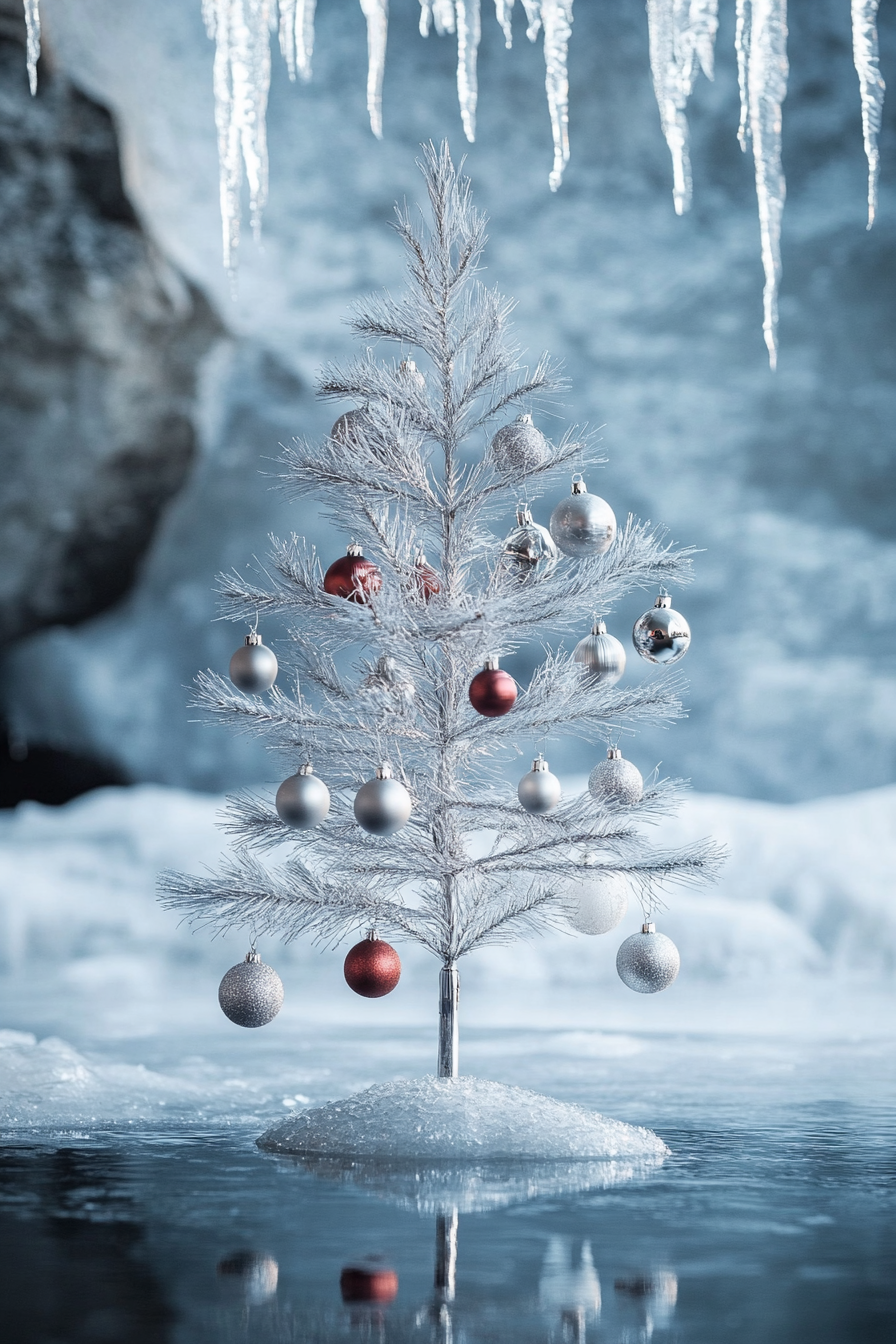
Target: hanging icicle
x=469, y=31
x=556, y=18
x=503, y=13
x=32, y=49
x=241, y=31
x=297, y=36
x=871, y=87
x=682, y=39
x=376, y=12
x=762, y=63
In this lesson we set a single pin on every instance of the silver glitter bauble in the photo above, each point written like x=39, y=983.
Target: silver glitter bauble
x=351, y=428
x=662, y=635
x=388, y=680
x=519, y=446
x=539, y=791
x=303, y=800
x=599, y=901
x=251, y=993
x=529, y=550
x=409, y=371
x=253, y=668
x=601, y=655
x=616, y=780
x=382, y=805
x=583, y=524
x=648, y=961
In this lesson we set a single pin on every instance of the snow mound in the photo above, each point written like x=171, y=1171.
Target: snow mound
x=458, y=1119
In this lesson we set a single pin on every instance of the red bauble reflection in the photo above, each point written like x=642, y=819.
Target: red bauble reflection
x=353, y=577
x=492, y=691
x=368, y=1283
x=372, y=968
x=427, y=583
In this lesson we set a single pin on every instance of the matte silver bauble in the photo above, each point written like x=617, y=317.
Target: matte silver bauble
x=519, y=446
x=303, y=800
x=648, y=961
x=409, y=371
x=601, y=655
x=382, y=805
x=386, y=678
x=253, y=668
x=539, y=791
x=251, y=993
x=599, y=901
x=616, y=780
x=662, y=635
x=529, y=550
x=583, y=524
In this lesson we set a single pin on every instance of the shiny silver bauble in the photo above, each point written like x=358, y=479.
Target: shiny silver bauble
x=382, y=805
x=601, y=655
x=386, y=678
x=583, y=524
x=616, y=780
x=303, y=800
x=539, y=791
x=253, y=668
x=648, y=961
x=529, y=550
x=662, y=635
x=251, y=993
x=598, y=901
x=519, y=446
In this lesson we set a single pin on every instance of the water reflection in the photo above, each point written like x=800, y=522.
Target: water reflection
x=255, y=1273
x=652, y=1297
x=569, y=1293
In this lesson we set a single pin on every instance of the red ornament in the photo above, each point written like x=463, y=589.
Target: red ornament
x=372, y=968
x=425, y=579
x=492, y=692
x=368, y=1283
x=353, y=577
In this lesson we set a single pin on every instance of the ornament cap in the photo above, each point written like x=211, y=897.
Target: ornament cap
x=252, y=955
x=614, y=754
x=306, y=769
x=540, y=765
x=354, y=550
x=384, y=771
x=523, y=514
x=371, y=936
x=599, y=628
x=663, y=600
x=524, y=419
x=648, y=927
x=408, y=366
x=578, y=485
x=491, y=664
x=253, y=639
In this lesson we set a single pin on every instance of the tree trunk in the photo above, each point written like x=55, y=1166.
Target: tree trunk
x=449, y=996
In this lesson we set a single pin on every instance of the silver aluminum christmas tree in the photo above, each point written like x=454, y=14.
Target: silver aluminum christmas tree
x=418, y=469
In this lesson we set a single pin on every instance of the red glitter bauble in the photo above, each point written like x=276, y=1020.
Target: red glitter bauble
x=353, y=577
x=362, y=1283
x=426, y=581
x=372, y=968
x=492, y=692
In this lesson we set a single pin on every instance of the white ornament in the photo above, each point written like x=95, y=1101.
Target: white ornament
x=529, y=550
x=253, y=668
x=303, y=800
x=662, y=635
x=409, y=371
x=616, y=780
x=601, y=655
x=599, y=901
x=382, y=805
x=583, y=524
x=519, y=446
x=648, y=961
x=539, y=791
x=251, y=993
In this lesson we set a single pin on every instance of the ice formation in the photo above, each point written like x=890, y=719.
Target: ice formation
x=376, y=12
x=457, y=1119
x=871, y=87
x=682, y=39
x=297, y=35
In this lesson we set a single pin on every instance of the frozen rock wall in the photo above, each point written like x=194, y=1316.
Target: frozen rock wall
x=786, y=480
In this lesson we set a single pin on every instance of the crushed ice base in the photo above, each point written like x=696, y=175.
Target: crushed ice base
x=458, y=1119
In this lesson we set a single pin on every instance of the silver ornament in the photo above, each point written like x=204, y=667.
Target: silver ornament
x=601, y=655
x=648, y=961
x=519, y=446
x=382, y=805
x=303, y=800
x=251, y=993
x=351, y=428
x=616, y=780
x=529, y=549
x=598, y=899
x=388, y=680
x=662, y=635
x=253, y=668
x=408, y=370
x=583, y=524
x=539, y=791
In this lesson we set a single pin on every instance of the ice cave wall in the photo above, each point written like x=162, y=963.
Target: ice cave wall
x=786, y=480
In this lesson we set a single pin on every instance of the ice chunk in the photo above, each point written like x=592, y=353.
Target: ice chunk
x=871, y=87
x=451, y=1119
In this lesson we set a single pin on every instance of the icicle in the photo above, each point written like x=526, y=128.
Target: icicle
x=443, y=16
x=425, y=17
x=32, y=21
x=241, y=32
x=533, y=17
x=297, y=35
x=872, y=89
x=468, y=34
x=703, y=24
x=503, y=12
x=742, y=48
x=682, y=36
x=376, y=13
x=556, y=16
x=762, y=61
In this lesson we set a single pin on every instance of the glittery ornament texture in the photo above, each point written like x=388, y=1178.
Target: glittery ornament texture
x=616, y=780
x=648, y=962
x=251, y=993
